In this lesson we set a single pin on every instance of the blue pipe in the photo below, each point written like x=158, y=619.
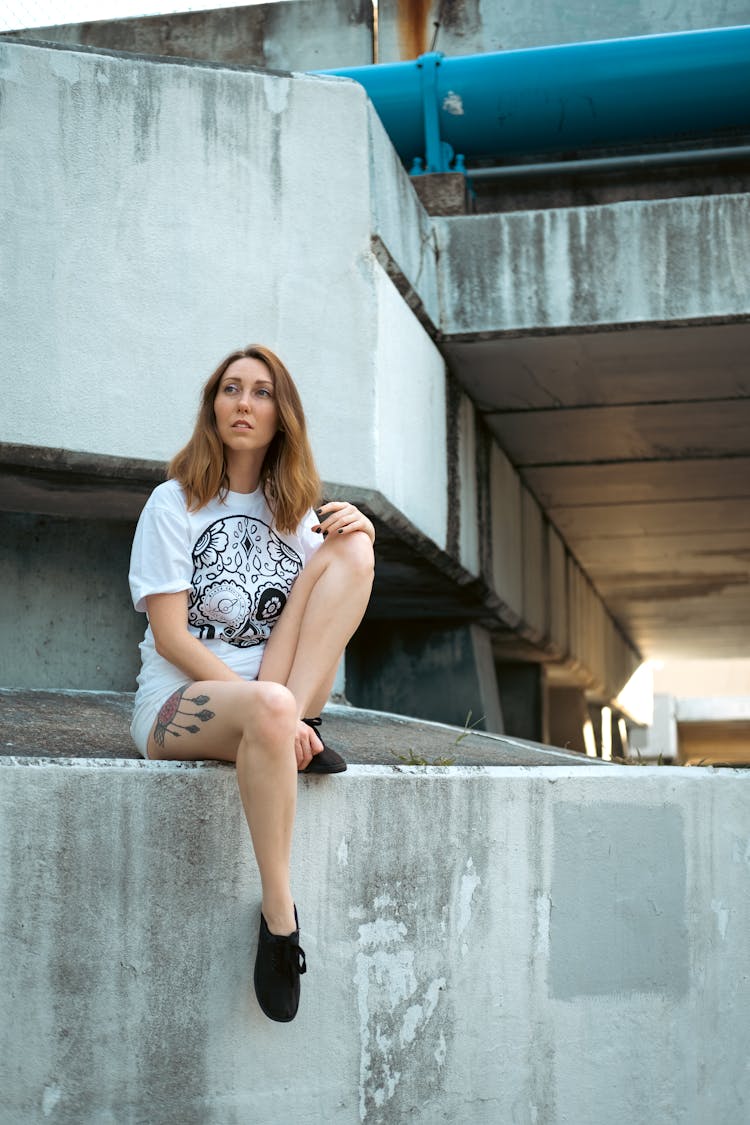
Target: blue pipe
x=579, y=96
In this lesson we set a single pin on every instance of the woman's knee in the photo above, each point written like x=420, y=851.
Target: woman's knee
x=357, y=549
x=269, y=711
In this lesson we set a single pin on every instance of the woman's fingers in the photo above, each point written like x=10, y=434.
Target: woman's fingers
x=305, y=745
x=339, y=517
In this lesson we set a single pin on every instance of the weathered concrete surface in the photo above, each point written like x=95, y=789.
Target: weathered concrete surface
x=423, y=670
x=85, y=724
x=223, y=205
x=66, y=617
x=294, y=35
x=676, y=260
x=484, y=946
x=407, y=27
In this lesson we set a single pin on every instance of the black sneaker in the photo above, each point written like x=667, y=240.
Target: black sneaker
x=279, y=964
x=327, y=761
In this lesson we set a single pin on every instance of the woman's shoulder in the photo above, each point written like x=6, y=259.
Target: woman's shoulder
x=168, y=494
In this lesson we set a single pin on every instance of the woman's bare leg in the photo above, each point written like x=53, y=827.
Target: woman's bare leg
x=254, y=726
x=325, y=607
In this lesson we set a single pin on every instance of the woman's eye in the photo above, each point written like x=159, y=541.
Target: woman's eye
x=264, y=392
x=230, y=388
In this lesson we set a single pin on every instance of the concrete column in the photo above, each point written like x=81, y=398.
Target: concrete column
x=660, y=739
x=568, y=715
x=523, y=698
x=427, y=670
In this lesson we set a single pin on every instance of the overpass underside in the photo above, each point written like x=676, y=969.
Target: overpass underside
x=606, y=348
x=545, y=411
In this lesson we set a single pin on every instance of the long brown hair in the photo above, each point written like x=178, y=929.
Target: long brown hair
x=288, y=475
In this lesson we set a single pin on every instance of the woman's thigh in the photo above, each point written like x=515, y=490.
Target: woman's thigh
x=204, y=720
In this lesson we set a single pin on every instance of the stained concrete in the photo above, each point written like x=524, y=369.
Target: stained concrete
x=427, y=671
x=298, y=173
x=66, y=617
x=445, y=914
x=294, y=35
x=417, y=292
x=466, y=27
x=677, y=260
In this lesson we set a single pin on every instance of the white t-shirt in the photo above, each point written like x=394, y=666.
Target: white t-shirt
x=237, y=568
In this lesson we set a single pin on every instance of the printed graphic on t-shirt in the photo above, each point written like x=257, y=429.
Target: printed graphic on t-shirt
x=242, y=575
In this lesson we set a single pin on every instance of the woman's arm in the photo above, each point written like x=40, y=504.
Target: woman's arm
x=167, y=615
x=341, y=518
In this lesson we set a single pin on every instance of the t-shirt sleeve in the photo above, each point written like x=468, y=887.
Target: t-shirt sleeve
x=311, y=540
x=161, y=559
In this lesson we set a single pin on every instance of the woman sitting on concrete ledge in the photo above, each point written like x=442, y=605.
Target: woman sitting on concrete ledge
x=251, y=596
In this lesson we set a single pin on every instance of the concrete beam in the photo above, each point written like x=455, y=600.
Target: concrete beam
x=646, y=432
x=571, y=486
x=605, y=368
x=676, y=260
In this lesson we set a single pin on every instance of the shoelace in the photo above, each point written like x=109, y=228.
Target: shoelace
x=289, y=958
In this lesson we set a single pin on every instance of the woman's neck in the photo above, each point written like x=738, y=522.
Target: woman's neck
x=243, y=471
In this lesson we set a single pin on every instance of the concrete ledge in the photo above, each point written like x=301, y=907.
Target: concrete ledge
x=94, y=726
x=484, y=945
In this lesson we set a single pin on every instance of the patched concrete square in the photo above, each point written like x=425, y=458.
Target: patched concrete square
x=618, y=914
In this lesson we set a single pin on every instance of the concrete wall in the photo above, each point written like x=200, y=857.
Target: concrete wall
x=180, y=237
x=407, y=27
x=558, y=945
x=157, y=214
x=66, y=617
x=319, y=34
x=292, y=35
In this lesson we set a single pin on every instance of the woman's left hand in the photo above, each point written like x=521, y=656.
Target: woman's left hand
x=342, y=518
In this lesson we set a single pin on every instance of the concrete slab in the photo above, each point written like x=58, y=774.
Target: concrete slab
x=94, y=725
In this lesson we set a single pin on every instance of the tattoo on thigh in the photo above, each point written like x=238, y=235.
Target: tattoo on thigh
x=166, y=720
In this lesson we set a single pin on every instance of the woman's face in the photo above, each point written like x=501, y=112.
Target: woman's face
x=247, y=417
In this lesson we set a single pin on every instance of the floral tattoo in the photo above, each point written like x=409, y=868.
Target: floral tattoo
x=166, y=720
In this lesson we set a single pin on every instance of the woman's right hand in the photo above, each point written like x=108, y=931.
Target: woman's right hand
x=306, y=744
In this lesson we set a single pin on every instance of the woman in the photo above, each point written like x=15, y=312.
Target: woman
x=251, y=597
